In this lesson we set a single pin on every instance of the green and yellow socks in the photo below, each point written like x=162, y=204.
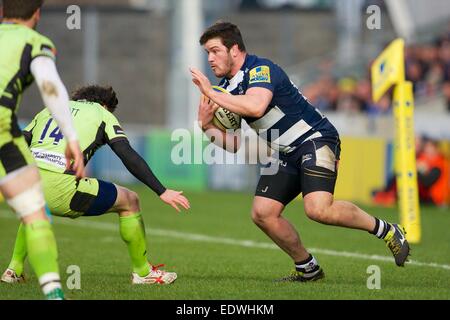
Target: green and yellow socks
x=132, y=232
x=43, y=255
x=20, y=251
x=37, y=240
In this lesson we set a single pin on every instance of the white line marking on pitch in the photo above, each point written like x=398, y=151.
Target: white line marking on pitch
x=107, y=226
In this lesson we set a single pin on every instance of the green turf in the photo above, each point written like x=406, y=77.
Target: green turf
x=208, y=268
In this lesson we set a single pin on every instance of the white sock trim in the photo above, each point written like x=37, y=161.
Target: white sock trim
x=309, y=266
x=311, y=274
x=381, y=228
x=49, y=282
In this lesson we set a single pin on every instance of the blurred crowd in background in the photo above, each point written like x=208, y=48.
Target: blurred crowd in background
x=427, y=67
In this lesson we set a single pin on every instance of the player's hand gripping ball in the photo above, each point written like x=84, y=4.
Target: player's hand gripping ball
x=225, y=119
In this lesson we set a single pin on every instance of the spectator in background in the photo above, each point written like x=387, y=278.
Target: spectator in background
x=446, y=92
x=347, y=100
x=432, y=176
x=444, y=56
x=382, y=107
x=446, y=33
x=327, y=94
x=364, y=95
x=414, y=73
x=434, y=78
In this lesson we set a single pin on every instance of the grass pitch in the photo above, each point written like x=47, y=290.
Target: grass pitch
x=219, y=253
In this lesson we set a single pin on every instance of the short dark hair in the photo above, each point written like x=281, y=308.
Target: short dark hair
x=106, y=96
x=229, y=34
x=20, y=9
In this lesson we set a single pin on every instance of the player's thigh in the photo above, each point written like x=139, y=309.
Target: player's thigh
x=319, y=165
x=278, y=190
x=66, y=196
x=17, y=167
x=319, y=170
x=19, y=179
x=23, y=192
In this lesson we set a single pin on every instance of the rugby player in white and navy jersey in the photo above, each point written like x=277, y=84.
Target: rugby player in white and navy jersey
x=307, y=143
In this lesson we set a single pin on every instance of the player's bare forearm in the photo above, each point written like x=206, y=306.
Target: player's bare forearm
x=253, y=104
x=244, y=105
x=226, y=141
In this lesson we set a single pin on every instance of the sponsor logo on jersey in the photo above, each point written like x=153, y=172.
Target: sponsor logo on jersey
x=53, y=158
x=260, y=74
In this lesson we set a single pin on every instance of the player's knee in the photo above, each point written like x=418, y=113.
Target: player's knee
x=28, y=202
x=260, y=215
x=319, y=212
x=133, y=201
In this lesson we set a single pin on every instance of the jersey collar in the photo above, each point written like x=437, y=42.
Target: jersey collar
x=249, y=61
x=239, y=76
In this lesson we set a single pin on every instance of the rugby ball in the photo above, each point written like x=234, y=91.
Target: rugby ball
x=225, y=119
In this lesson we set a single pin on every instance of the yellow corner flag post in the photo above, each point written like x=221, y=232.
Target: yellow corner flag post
x=388, y=70
x=405, y=153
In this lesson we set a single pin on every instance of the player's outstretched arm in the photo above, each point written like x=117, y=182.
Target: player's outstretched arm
x=137, y=166
x=56, y=99
x=227, y=141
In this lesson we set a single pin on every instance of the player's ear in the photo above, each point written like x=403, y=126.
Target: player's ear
x=37, y=16
x=234, y=50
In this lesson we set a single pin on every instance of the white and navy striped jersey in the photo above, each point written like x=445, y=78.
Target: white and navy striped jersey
x=289, y=119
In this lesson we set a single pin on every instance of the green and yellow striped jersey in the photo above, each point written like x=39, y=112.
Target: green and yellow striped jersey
x=95, y=126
